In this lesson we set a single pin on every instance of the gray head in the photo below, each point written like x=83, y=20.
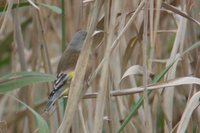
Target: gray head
x=77, y=41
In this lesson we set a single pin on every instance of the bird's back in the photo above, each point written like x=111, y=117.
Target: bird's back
x=68, y=61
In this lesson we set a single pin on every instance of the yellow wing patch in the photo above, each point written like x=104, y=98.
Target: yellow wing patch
x=66, y=86
x=70, y=75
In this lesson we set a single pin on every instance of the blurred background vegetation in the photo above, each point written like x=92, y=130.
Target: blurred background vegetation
x=143, y=54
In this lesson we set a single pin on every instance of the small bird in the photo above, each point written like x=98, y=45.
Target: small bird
x=65, y=69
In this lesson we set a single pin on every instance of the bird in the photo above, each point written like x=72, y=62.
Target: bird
x=65, y=68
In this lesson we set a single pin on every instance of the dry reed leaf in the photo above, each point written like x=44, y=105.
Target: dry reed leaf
x=87, y=1
x=103, y=100
x=129, y=49
x=169, y=93
x=181, y=13
x=33, y=4
x=168, y=97
x=191, y=106
x=114, y=44
x=133, y=70
x=97, y=32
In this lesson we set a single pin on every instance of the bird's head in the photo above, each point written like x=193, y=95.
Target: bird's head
x=78, y=39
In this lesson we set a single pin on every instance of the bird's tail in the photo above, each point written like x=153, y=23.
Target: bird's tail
x=49, y=106
x=60, y=84
x=53, y=98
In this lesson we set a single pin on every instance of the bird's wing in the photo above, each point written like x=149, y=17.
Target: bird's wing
x=58, y=88
x=68, y=60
